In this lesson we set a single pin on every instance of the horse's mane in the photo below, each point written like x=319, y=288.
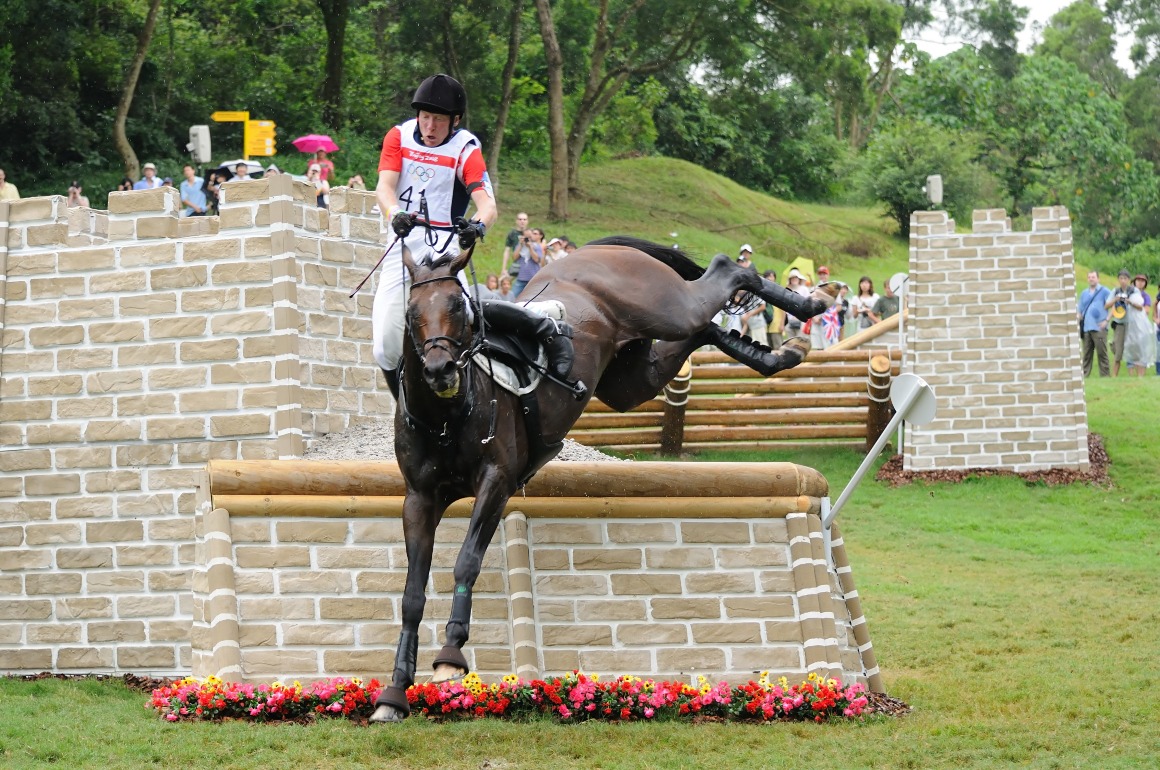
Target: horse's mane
x=678, y=260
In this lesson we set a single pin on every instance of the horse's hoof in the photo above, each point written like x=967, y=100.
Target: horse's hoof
x=801, y=344
x=387, y=714
x=445, y=672
x=827, y=292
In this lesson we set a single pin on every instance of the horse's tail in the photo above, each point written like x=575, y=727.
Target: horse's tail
x=678, y=260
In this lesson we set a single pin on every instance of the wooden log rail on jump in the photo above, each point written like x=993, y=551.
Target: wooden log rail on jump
x=828, y=397
x=282, y=489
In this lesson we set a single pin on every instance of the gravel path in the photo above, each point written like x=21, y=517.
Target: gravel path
x=375, y=440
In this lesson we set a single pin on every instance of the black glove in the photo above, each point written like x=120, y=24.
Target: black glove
x=468, y=232
x=403, y=223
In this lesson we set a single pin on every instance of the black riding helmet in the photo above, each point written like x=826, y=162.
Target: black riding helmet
x=441, y=94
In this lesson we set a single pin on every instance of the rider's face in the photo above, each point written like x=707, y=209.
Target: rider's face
x=434, y=128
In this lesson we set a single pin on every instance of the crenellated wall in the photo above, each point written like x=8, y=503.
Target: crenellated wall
x=137, y=346
x=993, y=330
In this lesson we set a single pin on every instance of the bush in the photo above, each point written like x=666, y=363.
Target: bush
x=1143, y=258
x=895, y=167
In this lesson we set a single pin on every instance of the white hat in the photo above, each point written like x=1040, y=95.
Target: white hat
x=794, y=273
x=745, y=247
x=314, y=167
x=148, y=165
x=554, y=241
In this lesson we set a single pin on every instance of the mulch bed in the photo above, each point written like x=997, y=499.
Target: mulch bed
x=132, y=681
x=892, y=473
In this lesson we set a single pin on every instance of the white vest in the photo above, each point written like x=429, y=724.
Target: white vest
x=432, y=172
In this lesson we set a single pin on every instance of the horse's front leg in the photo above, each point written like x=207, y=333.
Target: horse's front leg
x=490, y=499
x=421, y=515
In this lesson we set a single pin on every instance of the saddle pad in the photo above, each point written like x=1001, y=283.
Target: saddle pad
x=505, y=376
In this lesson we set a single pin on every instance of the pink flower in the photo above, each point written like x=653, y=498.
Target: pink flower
x=172, y=717
x=648, y=712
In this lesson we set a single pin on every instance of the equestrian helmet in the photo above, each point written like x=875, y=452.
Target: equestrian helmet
x=441, y=94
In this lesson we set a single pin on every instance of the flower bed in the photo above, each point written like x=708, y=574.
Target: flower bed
x=574, y=697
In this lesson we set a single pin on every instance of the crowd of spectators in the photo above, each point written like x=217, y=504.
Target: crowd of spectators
x=1126, y=317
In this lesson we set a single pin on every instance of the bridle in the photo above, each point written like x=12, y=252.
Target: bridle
x=444, y=342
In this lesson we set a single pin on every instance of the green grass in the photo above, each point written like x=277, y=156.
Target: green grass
x=654, y=197
x=1019, y=620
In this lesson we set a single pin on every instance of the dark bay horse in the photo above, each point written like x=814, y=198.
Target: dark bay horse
x=638, y=311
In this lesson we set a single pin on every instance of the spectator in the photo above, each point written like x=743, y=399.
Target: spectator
x=125, y=185
x=356, y=182
x=8, y=191
x=76, y=196
x=1140, y=344
x=774, y=317
x=818, y=326
x=492, y=282
x=505, y=288
x=167, y=182
x=241, y=173
x=272, y=170
x=569, y=247
x=885, y=306
x=862, y=304
x=532, y=262
x=744, y=257
x=192, y=193
x=1156, y=319
x=512, y=247
x=149, y=180
x=325, y=167
x=1117, y=303
x=213, y=185
x=1093, y=318
x=321, y=188
x=754, y=323
x=555, y=249
x=793, y=325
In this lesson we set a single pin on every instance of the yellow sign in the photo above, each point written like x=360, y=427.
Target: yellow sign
x=230, y=117
x=259, y=137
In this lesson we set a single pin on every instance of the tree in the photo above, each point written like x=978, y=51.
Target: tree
x=128, y=156
x=335, y=14
x=901, y=157
x=515, y=19
x=1082, y=35
x=995, y=25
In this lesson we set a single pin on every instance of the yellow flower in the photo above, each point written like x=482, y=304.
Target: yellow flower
x=511, y=679
x=1079, y=191
x=1127, y=166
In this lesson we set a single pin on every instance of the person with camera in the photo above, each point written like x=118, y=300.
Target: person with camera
x=1118, y=304
x=429, y=169
x=76, y=196
x=1093, y=319
x=512, y=253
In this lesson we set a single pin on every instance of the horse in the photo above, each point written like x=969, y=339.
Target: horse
x=637, y=309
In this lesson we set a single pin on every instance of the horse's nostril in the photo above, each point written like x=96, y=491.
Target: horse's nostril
x=440, y=369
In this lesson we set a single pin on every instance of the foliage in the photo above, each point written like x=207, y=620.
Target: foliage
x=574, y=697
x=900, y=159
x=1049, y=133
x=1081, y=34
x=1141, y=258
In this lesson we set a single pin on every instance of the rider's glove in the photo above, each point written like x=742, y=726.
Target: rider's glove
x=468, y=232
x=403, y=223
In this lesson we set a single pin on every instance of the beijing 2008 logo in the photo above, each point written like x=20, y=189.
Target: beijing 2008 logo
x=422, y=173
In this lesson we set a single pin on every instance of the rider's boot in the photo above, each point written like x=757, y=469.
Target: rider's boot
x=760, y=358
x=392, y=376
x=555, y=336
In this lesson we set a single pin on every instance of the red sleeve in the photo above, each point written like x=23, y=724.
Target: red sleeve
x=473, y=169
x=391, y=158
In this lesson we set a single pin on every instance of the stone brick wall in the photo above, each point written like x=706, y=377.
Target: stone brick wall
x=993, y=331
x=136, y=346
x=722, y=598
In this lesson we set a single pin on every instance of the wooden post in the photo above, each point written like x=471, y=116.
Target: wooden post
x=673, y=424
x=878, y=387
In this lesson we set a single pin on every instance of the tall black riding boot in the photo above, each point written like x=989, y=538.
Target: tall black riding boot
x=392, y=376
x=555, y=336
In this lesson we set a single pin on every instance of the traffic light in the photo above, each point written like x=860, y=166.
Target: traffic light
x=199, y=144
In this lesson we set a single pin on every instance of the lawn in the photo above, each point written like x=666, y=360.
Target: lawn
x=1019, y=620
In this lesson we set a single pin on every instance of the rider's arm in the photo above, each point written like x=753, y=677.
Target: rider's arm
x=485, y=211
x=390, y=166
x=385, y=192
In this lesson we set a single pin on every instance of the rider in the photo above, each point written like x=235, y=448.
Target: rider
x=428, y=169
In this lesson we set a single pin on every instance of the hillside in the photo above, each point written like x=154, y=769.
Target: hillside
x=654, y=197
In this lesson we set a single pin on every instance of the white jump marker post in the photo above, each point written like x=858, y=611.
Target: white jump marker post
x=898, y=285
x=914, y=402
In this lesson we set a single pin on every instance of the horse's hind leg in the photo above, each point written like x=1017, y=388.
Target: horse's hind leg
x=420, y=517
x=489, y=503
x=721, y=268
x=641, y=368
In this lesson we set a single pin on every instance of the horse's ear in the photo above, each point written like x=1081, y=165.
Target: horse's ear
x=408, y=261
x=460, y=261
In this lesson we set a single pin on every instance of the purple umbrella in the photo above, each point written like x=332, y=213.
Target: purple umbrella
x=314, y=143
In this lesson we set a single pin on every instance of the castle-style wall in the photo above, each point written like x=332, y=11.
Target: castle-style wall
x=137, y=346
x=992, y=328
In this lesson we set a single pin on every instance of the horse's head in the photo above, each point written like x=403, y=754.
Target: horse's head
x=438, y=324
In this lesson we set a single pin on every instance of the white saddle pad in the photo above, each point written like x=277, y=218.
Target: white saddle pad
x=504, y=375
